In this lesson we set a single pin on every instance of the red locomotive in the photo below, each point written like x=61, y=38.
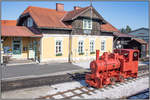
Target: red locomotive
x=112, y=67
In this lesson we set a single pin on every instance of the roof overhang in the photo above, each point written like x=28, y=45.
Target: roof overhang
x=122, y=35
x=140, y=41
x=17, y=31
x=54, y=28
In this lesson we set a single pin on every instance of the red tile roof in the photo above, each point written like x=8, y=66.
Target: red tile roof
x=141, y=41
x=9, y=22
x=108, y=27
x=17, y=31
x=51, y=18
x=44, y=17
x=72, y=14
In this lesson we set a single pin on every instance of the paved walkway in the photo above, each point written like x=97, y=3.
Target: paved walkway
x=35, y=70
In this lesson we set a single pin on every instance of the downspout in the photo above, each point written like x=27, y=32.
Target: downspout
x=41, y=48
x=70, y=47
x=91, y=15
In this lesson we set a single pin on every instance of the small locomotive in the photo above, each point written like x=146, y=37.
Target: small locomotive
x=112, y=67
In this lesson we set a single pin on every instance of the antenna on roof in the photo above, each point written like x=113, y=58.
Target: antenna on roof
x=91, y=3
x=91, y=8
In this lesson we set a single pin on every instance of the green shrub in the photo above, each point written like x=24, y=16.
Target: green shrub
x=92, y=52
x=59, y=54
x=81, y=53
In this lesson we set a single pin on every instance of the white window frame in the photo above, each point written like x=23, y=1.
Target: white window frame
x=103, y=45
x=29, y=22
x=59, y=51
x=87, y=24
x=79, y=51
x=92, y=49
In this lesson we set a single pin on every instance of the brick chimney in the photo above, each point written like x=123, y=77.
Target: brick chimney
x=59, y=7
x=77, y=7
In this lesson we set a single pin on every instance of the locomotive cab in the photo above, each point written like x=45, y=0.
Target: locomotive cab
x=130, y=59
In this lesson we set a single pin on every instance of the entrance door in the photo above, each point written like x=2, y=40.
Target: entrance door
x=31, y=51
x=143, y=50
x=17, y=46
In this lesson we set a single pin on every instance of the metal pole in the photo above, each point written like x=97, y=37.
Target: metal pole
x=70, y=47
x=91, y=12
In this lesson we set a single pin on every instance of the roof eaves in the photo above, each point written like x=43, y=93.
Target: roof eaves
x=64, y=17
x=107, y=31
x=36, y=36
x=103, y=20
x=139, y=29
x=122, y=35
x=55, y=28
x=140, y=40
x=61, y=20
x=25, y=14
x=80, y=13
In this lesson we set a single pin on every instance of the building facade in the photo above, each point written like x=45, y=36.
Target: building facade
x=141, y=33
x=55, y=35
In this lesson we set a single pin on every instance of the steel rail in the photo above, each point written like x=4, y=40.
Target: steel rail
x=141, y=74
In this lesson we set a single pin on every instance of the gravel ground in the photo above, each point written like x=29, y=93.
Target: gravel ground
x=120, y=91
x=116, y=92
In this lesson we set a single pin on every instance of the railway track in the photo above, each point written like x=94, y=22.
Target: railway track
x=141, y=95
x=88, y=90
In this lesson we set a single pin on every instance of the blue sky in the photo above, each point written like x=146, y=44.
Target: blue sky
x=119, y=14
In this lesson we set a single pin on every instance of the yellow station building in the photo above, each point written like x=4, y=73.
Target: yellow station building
x=55, y=35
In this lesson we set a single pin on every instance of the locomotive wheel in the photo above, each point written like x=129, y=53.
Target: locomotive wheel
x=121, y=78
x=99, y=83
x=113, y=80
x=134, y=75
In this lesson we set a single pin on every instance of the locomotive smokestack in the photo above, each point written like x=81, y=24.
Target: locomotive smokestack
x=97, y=55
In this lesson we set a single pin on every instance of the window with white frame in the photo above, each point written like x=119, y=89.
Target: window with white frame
x=29, y=22
x=92, y=46
x=87, y=24
x=81, y=47
x=103, y=45
x=58, y=47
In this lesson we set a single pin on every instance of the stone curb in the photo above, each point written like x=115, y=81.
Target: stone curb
x=22, y=64
x=33, y=81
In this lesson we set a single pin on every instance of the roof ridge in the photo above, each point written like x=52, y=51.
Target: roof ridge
x=32, y=7
x=78, y=10
x=139, y=29
x=85, y=8
x=46, y=8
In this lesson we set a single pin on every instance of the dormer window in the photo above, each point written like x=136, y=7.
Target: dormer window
x=87, y=24
x=29, y=22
